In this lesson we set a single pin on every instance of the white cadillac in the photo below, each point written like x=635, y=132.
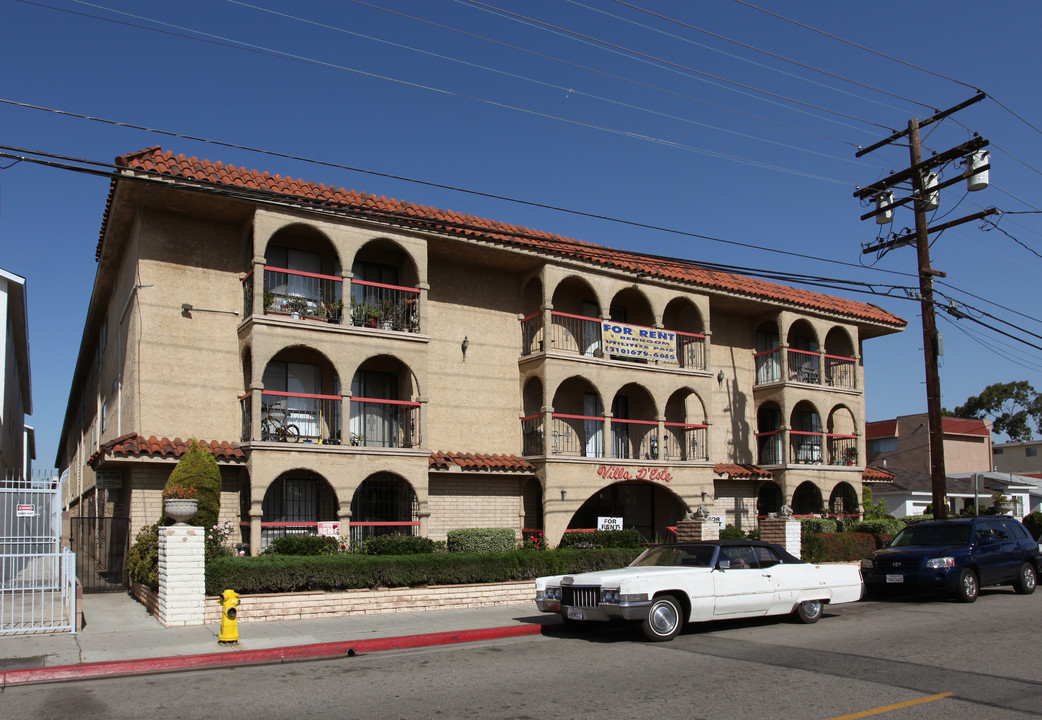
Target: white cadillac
x=669, y=585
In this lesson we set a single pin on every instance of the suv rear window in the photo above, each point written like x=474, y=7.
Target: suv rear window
x=1016, y=529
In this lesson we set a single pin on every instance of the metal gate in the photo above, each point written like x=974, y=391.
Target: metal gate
x=101, y=545
x=37, y=575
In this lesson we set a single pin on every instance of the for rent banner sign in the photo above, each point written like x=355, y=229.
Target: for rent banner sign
x=637, y=341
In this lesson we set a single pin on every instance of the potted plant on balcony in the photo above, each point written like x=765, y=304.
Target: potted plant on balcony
x=180, y=503
x=333, y=310
x=297, y=306
x=850, y=455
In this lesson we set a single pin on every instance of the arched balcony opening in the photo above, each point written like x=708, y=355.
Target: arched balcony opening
x=768, y=353
x=383, y=504
x=301, y=276
x=575, y=322
x=300, y=402
x=804, y=359
x=842, y=439
x=532, y=506
x=384, y=288
x=805, y=435
x=294, y=504
x=577, y=424
x=631, y=330
x=682, y=317
x=383, y=413
x=840, y=363
x=532, y=422
x=533, y=334
x=686, y=430
x=769, y=434
x=634, y=429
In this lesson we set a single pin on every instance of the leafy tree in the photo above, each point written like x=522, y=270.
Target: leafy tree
x=198, y=469
x=1015, y=409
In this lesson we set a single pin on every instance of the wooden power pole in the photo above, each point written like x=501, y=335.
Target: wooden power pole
x=915, y=174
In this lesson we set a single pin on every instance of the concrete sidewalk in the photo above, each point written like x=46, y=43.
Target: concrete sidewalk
x=121, y=638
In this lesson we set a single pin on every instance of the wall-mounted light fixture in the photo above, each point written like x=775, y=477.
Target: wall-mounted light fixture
x=720, y=377
x=704, y=495
x=564, y=494
x=464, y=345
x=188, y=309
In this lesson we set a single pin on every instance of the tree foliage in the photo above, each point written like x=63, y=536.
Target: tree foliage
x=198, y=469
x=1015, y=409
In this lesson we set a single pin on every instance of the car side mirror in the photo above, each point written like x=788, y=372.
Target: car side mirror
x=724, y=565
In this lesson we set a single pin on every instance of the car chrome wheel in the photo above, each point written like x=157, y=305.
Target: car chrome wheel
x=968, y=589
x=1027, y=578
x=665, y=618
x=809, y=611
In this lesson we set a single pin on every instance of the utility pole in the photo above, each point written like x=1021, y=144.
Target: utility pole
x=921, y=197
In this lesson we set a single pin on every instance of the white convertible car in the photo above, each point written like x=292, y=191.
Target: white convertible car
x=669, y=585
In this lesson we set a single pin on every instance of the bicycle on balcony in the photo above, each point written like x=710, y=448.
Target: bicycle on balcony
x=276, y=428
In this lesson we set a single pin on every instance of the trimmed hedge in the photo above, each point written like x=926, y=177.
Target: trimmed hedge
x=285, y=573
x=630, y=538
x=397, y=544
x=814, y=525
x=480, y=540
x=837, y=547
x=303, y=545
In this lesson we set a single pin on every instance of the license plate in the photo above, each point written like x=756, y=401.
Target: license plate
x=895, y=578
x=575, y=613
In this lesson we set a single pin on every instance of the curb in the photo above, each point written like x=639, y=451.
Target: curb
x=295, y=653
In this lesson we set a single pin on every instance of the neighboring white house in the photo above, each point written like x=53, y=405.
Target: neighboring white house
x=15, y=392
x=911, y=492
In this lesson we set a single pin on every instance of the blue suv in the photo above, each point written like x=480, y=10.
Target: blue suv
x=959, y=556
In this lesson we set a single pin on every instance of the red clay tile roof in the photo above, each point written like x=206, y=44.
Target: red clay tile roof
x=738, y=471
x=134, y=445
x=874, y=474
x=207, y=174
x=478, y=461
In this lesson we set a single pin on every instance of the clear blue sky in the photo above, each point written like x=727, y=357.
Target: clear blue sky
x=593, y=106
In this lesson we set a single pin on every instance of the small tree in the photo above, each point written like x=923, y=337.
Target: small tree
x=198, y=469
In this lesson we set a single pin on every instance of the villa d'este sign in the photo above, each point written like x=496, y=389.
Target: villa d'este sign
x=617, y=472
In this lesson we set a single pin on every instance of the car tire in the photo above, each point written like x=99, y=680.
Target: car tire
x=809, y=612
x=665, y=619
x=968, y=588
x=1026, y=580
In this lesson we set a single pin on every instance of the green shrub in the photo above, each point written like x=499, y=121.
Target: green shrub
x=878, y=527
x=303, y=545
x=143, y=557
x=629, y=538
x=198, y=469
x=811, y=526
x=731, y=533
x=397, y=544
x=285, y=573
x=837, y=547
x=913, y=519
x=1033, y=522
x=480, y=540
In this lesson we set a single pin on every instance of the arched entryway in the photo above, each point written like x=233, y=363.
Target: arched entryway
x=294, y=505
x=843, y=500
x=768, y=499
x=644, y=506
x=807, y=500
x=383, y=504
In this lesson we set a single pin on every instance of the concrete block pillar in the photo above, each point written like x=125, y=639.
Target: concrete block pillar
x=697, y=529
x=783, y=531
x=182, y=575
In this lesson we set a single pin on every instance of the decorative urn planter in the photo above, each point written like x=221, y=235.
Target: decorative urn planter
x=181, y=509
x=1004, y=507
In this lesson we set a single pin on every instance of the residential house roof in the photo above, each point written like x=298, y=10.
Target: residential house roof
x=204, y=174
x=134, y=445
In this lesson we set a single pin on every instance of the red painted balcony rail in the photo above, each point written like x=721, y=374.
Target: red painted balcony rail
x=768, y=366
x=294, y=417
x=303, y=294
x=769, y=447
x=384, y=423
x=582, y=335
x=686, y=441
x=804, y=366
x=841, y=372
x=811, y=448
x=388, y=307
x=581, y=436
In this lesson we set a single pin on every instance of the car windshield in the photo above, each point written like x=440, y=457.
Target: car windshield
x=670, y=555
x=932, y=535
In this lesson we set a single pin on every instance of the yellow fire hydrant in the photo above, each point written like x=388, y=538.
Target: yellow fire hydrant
x=228, y=601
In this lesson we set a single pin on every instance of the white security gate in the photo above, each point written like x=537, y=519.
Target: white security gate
x=37, y=575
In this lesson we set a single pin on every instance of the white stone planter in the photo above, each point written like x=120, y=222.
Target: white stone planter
x=181, y=509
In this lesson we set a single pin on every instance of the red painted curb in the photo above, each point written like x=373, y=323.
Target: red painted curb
x=86, y=671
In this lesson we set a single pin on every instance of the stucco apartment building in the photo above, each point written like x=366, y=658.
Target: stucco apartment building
x=904, y=443
x=388, y=366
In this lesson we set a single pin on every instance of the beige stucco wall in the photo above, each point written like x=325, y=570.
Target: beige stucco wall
x=473, y=501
